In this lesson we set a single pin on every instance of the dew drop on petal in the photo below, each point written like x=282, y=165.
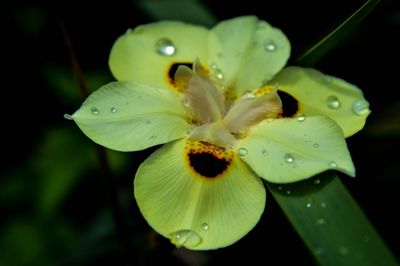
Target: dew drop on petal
x=242, y=151
x=317, y=181
x=323, y=204
x=301, y=118
x=320, y=221
x=280, y=187
x=113, y=110
x=361, y=107
x=270, y=46
x=315, y=145
x=213, y=66
x=165, y=47
x=332, y=164
x=186, y=238
x=288, y=158
x=288, y=192
x=218, y=74
x=204, y=226
x=333, y=102
x=308, y=205
x=94, y=111
x=264, y=152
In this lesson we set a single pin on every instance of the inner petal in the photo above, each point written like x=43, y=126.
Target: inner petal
x=204, y=100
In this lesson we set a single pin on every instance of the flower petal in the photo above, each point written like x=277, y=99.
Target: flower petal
x=319, y=94
x=129, y=116
x=288, y=150
x=147, y=53
x=195, y=205
x=245, y=52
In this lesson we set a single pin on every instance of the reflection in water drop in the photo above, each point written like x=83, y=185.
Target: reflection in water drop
x=288, y=158
x=270, y=46
x=165, y=47
x=242, y=151
x=361, y=107
x=204, y=226
x=333, y=102
x=187, y=238
x=94, y=111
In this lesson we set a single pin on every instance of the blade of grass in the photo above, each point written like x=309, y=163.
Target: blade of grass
x=331, y=223
x=317, y=51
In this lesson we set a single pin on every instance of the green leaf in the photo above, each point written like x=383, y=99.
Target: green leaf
x=331, y=223
x=317, y=51
x=191, y=11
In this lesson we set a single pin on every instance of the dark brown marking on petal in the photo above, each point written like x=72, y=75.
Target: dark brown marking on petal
x=290, y=105
x=207, y=165
x=208, y=160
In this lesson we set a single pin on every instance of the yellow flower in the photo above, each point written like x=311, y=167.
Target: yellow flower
x=229, y=116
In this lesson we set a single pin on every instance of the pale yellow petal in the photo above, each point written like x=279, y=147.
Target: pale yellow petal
x=320, y=94
x=129, y=116
x=288, y=150
x=198, y=195
x=147, y=53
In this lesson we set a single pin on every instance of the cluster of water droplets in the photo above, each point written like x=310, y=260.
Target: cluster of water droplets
x=360, y=107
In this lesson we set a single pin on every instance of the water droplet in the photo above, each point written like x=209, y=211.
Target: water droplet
x=333, y=102
x=94, y=111
x=270, y=46
x=264, y=152
x=288, y=192
x=165, y=47
x=270, y=119
x=218, y=74
x=317, y=181
x=288, y=158
x=113, y=110
x=315, y=145
x=68, y=117
x=242, y=151
x=361, y=107
x=213, y=66
x=204, y=226
x=301, y=118
x=148, y=122
x=343, y=250
x=323, y=204
x=320, y=221
x=280, y=187
x=308, y=205
x=332, y=164
x=153, y=136
x=366, y=238
x=186, y=238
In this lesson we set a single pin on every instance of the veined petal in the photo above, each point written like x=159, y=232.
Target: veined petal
x=147, y=53
x=129, y=116
x=319, y=94
x=199, y=195
x=245, y=52
x=288, y=150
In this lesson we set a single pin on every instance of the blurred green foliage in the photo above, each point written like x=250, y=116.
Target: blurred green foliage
x=55, y=202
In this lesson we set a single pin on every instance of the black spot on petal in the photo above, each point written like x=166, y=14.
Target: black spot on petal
x=207, y=164
x=290, y=105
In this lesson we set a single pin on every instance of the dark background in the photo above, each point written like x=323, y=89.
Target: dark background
x=56, y=202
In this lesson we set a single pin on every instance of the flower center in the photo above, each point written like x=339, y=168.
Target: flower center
x=215, y=121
